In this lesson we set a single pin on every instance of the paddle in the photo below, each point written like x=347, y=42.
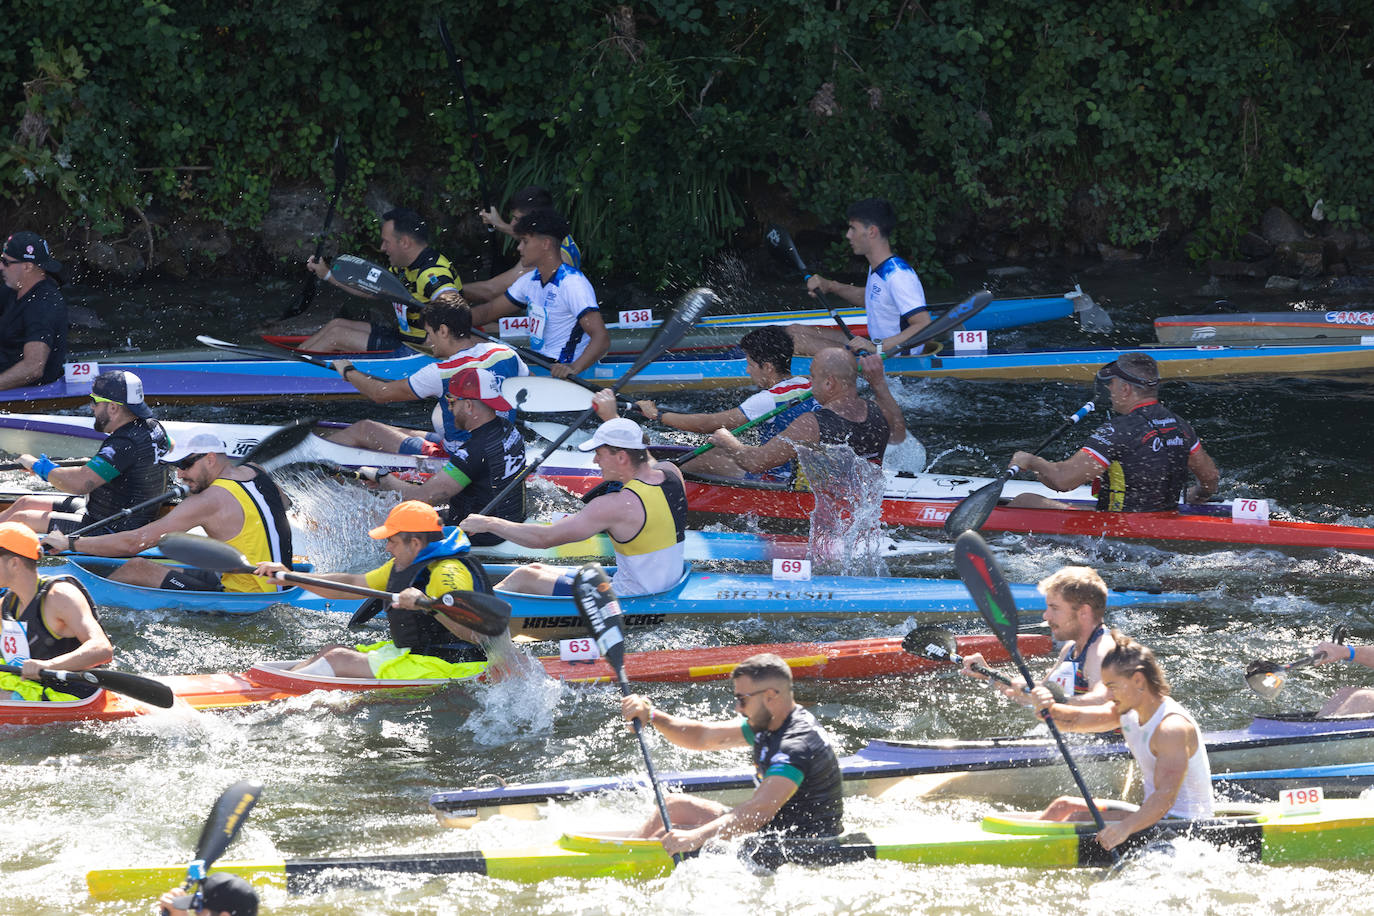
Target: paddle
x=946, y=322
x=312, y=283
x=988, y=586
x=540, y=359
x=689, y=308
x=483, y=613
x=223, y=824
x=973, y=510
x=478, y=145
x=253, y=353
x=1267, y=677
x=939, y=645
x=596, y=602
x=781, y=241
x=63, y=463
x=143, y=689
x=540, y=394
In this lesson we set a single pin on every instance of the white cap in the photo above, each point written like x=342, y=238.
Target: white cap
x=620, y=432
x=198, y=444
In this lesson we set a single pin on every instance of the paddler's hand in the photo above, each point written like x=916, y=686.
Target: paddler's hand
x=342, y=366
x=31, y=670
x=724, y=439
x=1112, y=836
x=164, y=903
x=862, y=345
x=476, y=524
x=637, y=706
x=55, y=542
x=1025, y=461
x=1041, y=699
x=678, y=841
x=492, y=217
x=409, y=598
x=648, y=408
x=817, y=284
x=451, y=297
x=317, y=266
x=1331, y=652
x=268, y=569
x=27, y=461
x=561, y=370
x=603, y=402
x=969, y=661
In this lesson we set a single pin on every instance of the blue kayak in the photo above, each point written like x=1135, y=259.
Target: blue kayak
x=1337, y=780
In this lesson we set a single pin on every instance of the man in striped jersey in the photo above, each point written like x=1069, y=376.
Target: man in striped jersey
x=768, y=358
x=450, y=335
x=237, y=504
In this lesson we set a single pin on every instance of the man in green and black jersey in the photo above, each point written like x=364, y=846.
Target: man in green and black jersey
x=799, y=790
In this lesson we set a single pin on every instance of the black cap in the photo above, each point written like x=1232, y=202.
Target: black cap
x=1138, y=369
x=122, y=387
x=223, y=892
x=29, y=246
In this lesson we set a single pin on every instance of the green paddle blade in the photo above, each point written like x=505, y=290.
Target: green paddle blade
x=989, y=589
x=225, y=821
x=600, y=611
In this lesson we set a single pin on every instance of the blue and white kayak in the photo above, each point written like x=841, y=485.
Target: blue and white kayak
x=1337, y=780
x=1018, y=770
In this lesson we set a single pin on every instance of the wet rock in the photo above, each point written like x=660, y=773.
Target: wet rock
x=1303, y=259
x=1254, y=247
x=1246, y=269
x=1283, y=284
x=1360, y=262
x=82, y=316
x=117, y=258
x=199, y=239
x=293, y=221
x=1111, y=253
x=1005, y=272
x=1277, y=227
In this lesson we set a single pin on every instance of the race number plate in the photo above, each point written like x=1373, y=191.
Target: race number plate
x=637, y=318
x=80, y=373
x=519, y=326
x=970, y=341
x=1300, y=801
x=582, y=649
x=1250, y=510
x=792, y=570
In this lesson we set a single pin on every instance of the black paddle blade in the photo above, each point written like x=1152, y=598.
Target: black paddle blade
x=781, y=241
x=974, y=510
x=989, y=589
x=204, y=553
x=356, y=273
x=340, y=164
x=478, y=611
x=685, y=314
x=600, y=610
x=934, y=643
x=280, y=441
x=143, y=689
x=365, y=612
x=226, y=819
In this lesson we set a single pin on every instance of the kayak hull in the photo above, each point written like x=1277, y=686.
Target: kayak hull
x=1246, y=327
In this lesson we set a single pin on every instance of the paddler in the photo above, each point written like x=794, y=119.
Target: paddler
x=525, y=200
x=33, y=313
x=646, y=517
x=482, y=466
x=125, y=471
x=892, y=296
x=1163, y=738
x=841, y=417
x=768, y=360
x=1348, y=701
x=565, y=322
x=1143, y=456
x=427, y=559
x=47, y=622
x=448, y=332
x=222, y=894
x=238, y=504
x=798, y=789
x=1075, y=606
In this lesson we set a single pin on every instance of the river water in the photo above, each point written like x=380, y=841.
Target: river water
x=349, y=777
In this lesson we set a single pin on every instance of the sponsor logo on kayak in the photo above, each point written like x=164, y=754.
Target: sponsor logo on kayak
x=1365, y=318
x=935, y=513
x=1205, y=333
x=564, y=623
x=774, y=594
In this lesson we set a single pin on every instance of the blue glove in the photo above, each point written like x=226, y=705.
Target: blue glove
x=44, y=466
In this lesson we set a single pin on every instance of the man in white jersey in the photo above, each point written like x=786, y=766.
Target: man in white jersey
x=1162, y=736
x=564, y=320
x=768, y=359
x=1075, y=605
x=892, y=296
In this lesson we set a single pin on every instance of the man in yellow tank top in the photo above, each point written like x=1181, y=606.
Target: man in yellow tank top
x=238, y=504
x=646, y=518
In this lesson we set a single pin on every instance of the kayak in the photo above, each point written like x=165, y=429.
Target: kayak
x=269, y=681
x=1341, y=830
x=1025, y=769
x=1345, y=325
x=700, y=596
x=1336, y=780
x=740, y=546
x=925, y=501
x=263, y=683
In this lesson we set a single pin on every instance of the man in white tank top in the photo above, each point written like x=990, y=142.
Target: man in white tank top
x=1162, y=736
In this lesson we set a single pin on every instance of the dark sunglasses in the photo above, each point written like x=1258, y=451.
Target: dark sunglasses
x=185, y=463
x=8, y=261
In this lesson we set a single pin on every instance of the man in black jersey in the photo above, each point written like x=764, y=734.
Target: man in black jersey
x=799, y=791
x=125, y=471
x=482, y=467
x=843, y=418
x=1143, y=456
x=33, y=314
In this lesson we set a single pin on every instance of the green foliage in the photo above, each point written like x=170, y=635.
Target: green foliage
x=653, y=122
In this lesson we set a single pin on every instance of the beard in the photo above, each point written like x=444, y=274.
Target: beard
x=102, y=422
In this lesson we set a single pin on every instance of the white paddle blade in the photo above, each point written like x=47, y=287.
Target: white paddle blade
x=536, y=394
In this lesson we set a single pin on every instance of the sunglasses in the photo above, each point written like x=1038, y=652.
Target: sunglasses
x=742, y=698
x=185, y=463
x=8, y=261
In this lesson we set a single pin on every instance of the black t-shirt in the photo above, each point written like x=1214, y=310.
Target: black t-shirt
x=868, y=437
x=1146, y=456
x=128, y=462
x=801, y=751
x=486, y=463
x=40, y=315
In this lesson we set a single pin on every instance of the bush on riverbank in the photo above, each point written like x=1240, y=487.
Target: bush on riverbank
x=666, y=127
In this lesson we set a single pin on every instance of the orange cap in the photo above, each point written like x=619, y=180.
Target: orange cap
x=20, y=539
x=410, y=517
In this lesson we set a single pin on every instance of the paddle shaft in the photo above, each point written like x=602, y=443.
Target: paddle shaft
x=540, y=359
x=638, y=727
x=312, y=283
x=143, y=689
x=1071, y=420
x=782, y=240
x=264, y=354
x=62, y=463
x=175, y=492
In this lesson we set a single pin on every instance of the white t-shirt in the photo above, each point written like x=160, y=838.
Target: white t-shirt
x=893, y=292
x=554, y=309
x=431, y=381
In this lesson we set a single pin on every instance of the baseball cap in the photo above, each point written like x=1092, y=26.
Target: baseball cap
x=197, y=444
x=1135, y=368
x=223, y=892
x=19, y=538
x=476, y=384
x=410, y=517
x=29, y=246
x=620, y=432
x=121, y=387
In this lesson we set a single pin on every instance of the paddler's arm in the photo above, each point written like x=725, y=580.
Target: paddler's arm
x=1172, y=744
x=485, y=290
x=319, y=268
x=598, y=515
x=410, y=598
x=440, y=487
x=1330, y=652
x=501, y=306
x=1205, y=470
x=777, y=450
x=1100, y=718
x=78, y=481
x=854, y=295
x=1079, y=468
x=872, y=367
x=743, y=819
x=212, y=508
x=29, y=369
x=270, y=568
x=917, y=322
x=692, y=734
x=68, y=615
x=693, y=422
x=598, y=342
x=376, y=390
